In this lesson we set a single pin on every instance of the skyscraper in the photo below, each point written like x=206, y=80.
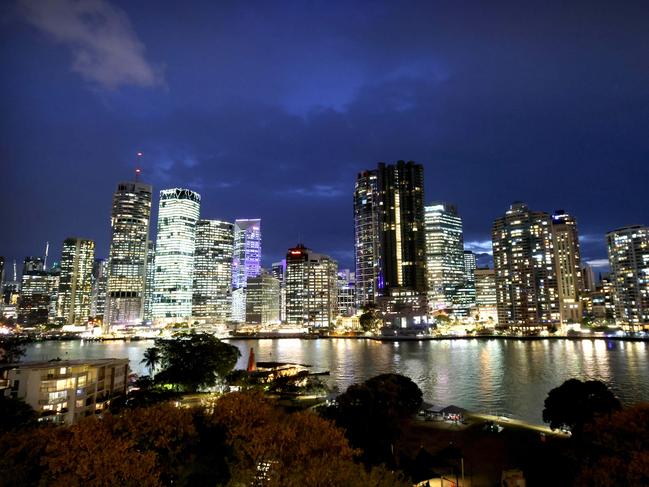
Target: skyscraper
x=98, y=293
x=246, y=262
x=311, y=291
x=262, y=299
x=390, y=245
x=628, y=256
x=174, y=254
x=147, y=315
x=38, y=293
x=212, y=296
x=445, y=256
x=346, y=293
x=526, y=281
x=75, y=281
x=128, y=253
x=567, y=255
x=485, y=295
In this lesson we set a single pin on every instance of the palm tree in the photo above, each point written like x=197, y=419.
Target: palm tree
x=151, y=359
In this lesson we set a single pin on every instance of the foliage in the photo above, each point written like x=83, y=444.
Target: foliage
x=151, y=359
x=370, y=319
x=15, y=414
x=575, y=403
x=384, y=400
x=619, y=449
x=12, y=349
x=194, y=361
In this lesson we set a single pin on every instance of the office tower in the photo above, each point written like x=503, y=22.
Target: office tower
x=75, y=281
x=2, y=272
x=278, y=270
x=98, y=293
x=346, y=293
x=469, y=266
x=212, y=296
x=567, y=256
x=38, y=293
x=526, y=282
x=130, y=217
x=311, y=291
x=390, y=245
x=147, y=315
x=262, y=299
x=246, y=262
x=602, y=300
x=589, y=277
x=445, y=257
x=485, y=295
x=174, y=255
x=628, y=257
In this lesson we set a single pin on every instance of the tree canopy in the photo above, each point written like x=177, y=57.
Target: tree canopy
x=15, y=414
x=192, y=361
x=575, y=403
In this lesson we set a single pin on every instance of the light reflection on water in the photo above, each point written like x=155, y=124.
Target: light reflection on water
x=498, y=376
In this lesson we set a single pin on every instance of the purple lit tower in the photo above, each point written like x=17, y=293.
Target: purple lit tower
x=246, y=262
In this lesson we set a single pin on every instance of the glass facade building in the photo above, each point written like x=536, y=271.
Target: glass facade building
x=570, y=282
x=212, y=295
x=174, y=255
x=75, y=281
x=127, y=257
x=262, y=300
x=246, y=262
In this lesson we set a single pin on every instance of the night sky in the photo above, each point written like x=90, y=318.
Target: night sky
x=269, y=109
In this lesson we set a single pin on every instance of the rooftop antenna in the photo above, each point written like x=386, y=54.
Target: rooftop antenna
x=138, y=171
x=47, y=251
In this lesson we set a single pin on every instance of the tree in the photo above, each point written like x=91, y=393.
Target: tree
x=15, y=414
x=12, y=349
x=619, y=449
x=371, y=319
x=575, y=403
x=371, y=414
x=151, y=359
x=194, y=361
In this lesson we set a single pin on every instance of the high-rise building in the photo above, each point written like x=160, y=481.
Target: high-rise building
x=212, y=296
x=2, y=272
x=485, y=295
x=174, y=255
x=75, y=280
x=130, y=217
x=246, y=262
x=445, y=256
x=262, y=299
x=278, y=270
x=589, y=277
x=390, y=245
x=567, y=255
x=628, y=257
x=346, y=293
x=98, y=293
x=311, y=290
x=147, y=315
x=38, y=293
x=470, y=266
x=526, y=281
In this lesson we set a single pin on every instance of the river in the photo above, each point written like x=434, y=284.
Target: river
x=490, y=376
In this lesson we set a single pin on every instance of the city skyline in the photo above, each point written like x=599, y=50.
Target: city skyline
x=491, y=122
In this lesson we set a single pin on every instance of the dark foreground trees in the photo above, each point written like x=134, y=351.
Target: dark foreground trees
x=371, y=414
x=574, y=404
x=191, y=362
x=243, y=439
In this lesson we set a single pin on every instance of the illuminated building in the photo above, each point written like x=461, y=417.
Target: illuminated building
x=66, y=391
x=589, y=277
x=246, y=262
x=311, y=290
x=526, y=281
x=262, y=299
x=212, y=295
x=127, y=257
x=2, y=272
x=75, y=281
x=147, y=315
x=469, y=266
x=98, y=293
x=346, y=293
x=485, y=294
x=174, y=255
x=567, y=256
x=38, y=293
x=602, y=300
x=278, y=270
x=628, y=257
x=390, y=246
x=449, y=288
